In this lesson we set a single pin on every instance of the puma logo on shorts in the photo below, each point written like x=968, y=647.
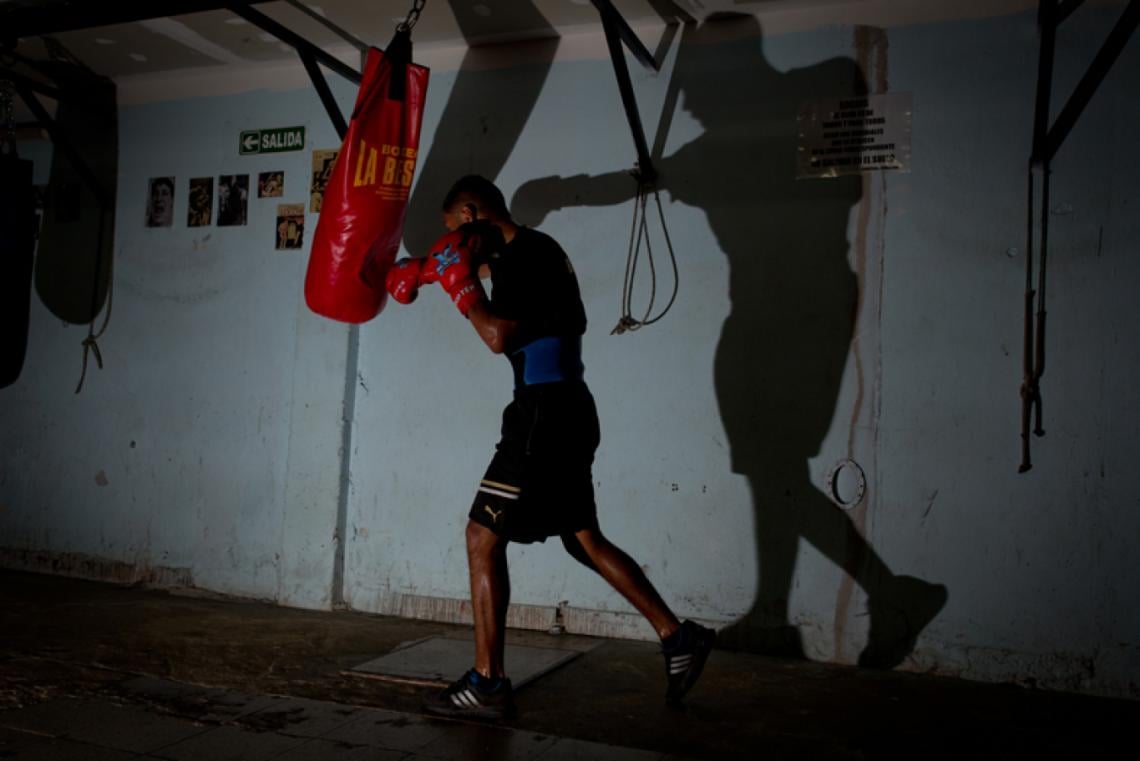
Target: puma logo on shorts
x=538, y=483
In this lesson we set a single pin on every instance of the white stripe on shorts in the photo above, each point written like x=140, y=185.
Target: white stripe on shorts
x=498, y=492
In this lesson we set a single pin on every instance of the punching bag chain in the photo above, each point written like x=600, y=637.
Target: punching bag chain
x=413, y=16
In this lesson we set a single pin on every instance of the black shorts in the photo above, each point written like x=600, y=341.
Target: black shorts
x=539, y=483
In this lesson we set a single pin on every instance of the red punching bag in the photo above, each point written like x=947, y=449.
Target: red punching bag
x=362, y=215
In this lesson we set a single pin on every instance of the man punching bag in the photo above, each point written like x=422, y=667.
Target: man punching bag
x=17, y=251
x=362, y=215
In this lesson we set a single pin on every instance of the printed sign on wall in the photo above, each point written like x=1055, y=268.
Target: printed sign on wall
x=201, y=207
x=290, y=226
x=854, y=135
x=160, y=202
x=270, y=184
x=233, y=199
x=278, y=140
x=323, y=161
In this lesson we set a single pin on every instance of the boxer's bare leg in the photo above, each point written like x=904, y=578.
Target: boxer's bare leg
x=490, y=595
x=593, y=550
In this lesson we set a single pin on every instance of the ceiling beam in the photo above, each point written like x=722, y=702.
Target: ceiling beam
x=69, y=15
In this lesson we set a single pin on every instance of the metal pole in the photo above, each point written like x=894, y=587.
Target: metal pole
x=257, y=18
x=1030, y=390
x=645, y=164
x=322, y=87
x=1089, y=83
x=640, y=52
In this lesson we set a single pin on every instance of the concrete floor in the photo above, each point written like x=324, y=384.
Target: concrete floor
x=98, y=671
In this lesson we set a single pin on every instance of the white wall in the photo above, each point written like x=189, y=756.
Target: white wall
x=206, y=450
x=233, y=393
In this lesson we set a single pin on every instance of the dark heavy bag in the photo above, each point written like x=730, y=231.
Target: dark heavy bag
x=362, y=215
x=17, y=254
x=73, y=259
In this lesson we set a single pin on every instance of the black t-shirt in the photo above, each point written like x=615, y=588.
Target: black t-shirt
x=533, y=282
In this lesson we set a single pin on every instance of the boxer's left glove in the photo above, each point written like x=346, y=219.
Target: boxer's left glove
x=451, y=264
x=403, y=280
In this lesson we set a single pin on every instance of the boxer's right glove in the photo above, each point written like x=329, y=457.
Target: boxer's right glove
x=450, y=264
x=403, y=280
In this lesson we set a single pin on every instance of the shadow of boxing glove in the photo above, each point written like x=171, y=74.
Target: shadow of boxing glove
x=403, y=280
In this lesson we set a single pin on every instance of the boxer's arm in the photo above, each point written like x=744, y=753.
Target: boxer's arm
x=495, y=331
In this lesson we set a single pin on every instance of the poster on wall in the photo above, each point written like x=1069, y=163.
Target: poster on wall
x=323, y=161
x=233, y=199
x=854, y=135
x=290, y=226
x=160, y=202
x=200, y=210
x=270, y=184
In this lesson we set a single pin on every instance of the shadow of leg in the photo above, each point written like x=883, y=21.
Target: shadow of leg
x=789, y=507
x=900, y=606
x=766, y=628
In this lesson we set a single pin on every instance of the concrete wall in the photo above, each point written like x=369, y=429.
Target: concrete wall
x=205, y=451
x=875, y=318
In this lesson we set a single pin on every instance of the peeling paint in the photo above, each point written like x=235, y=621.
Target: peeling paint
x=871, y=46
x=82, y=566
x=589, y=622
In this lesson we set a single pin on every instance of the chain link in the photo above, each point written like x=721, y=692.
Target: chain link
x=413, y=16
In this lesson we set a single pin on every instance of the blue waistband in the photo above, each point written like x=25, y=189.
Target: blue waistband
x=548, y=360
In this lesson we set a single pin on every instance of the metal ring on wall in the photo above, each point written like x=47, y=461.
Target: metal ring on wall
x=833, y=492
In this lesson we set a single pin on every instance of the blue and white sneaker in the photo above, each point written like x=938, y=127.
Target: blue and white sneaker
x=685, y=660
x=473, y=696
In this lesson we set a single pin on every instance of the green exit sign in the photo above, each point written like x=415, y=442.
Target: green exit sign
x=278, y=140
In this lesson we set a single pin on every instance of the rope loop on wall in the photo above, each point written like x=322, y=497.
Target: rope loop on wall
x=90, y=343
x=638, y=234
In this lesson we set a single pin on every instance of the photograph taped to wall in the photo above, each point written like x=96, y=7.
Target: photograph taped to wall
x=233, y=199
x=270, y=184
x=323, y=161
x=160, y=202
x=853, y=135
x=200, y=210
x=290, y=226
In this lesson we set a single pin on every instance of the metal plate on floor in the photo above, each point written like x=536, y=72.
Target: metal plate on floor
x=440, y=661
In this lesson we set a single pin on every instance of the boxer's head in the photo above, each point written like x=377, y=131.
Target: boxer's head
x=473, y=197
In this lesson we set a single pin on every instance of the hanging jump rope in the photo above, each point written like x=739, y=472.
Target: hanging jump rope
x=638, y=234
x=639, y=230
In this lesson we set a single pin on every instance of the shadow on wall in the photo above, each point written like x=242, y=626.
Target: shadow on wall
x=484, y=115
x=780, y=359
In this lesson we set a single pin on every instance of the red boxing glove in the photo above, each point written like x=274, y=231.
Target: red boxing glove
x=403, y=280
x=450, y=264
